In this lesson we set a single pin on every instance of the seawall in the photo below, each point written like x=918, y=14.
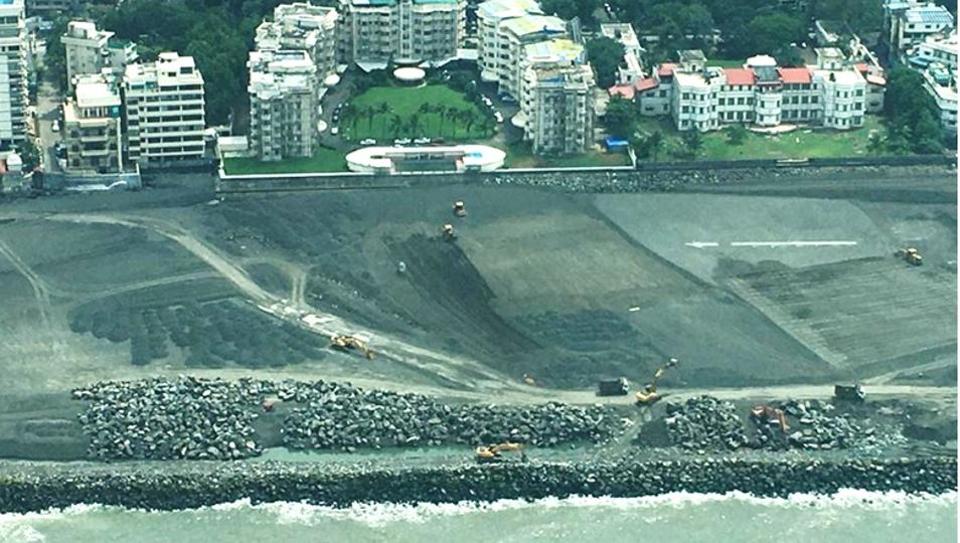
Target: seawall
x=196, y=484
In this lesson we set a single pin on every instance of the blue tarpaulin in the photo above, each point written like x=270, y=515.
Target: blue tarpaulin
x=615, y=144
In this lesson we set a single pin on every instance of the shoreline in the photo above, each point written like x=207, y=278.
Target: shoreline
x=30, y=488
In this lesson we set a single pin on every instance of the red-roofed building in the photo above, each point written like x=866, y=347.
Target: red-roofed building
x=627, y=92
x=795, y=76
x=666, y=69
x=739, y=76
x=646, y=84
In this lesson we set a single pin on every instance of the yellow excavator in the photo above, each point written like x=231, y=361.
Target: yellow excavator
x=342, y=342
x=649, y=394
x=487, y=454
x=766, y=414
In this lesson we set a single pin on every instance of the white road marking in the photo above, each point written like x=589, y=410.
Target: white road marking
x=702, y=244
x=792, y=243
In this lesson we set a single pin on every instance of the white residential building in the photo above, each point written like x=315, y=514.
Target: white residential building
x=373, y=32
x=305, y=27
x=492, y=54
x=89, y=51
x=558, y=104
x=13, y=74
x=631, y=70
x=515, y=35
x=940, y=81
x=940, y=48
x=164, y=111
x=909, y=23
x=283, y=104
x=92, y=126
x=833, y=93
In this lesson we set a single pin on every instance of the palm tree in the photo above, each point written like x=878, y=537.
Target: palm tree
x=444, y=113
x=350, y=111
x=413, y=124
x=396, y=125
x=470, y=119
x=369, y=112
x=384, y=109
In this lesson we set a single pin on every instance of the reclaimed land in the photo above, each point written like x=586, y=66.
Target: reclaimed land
x=184, y=486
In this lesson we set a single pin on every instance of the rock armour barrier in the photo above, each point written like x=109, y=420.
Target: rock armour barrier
x=197, y=485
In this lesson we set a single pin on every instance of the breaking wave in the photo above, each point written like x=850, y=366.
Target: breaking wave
x=380, y=514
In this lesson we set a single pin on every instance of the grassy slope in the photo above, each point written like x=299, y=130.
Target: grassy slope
x=324, y=160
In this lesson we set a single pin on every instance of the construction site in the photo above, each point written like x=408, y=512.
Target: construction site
x=758, y=294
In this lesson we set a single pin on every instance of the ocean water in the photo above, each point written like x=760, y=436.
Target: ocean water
x=850, y=516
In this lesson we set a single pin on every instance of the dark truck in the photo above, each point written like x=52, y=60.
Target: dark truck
x=613, y=387
x=850, y=393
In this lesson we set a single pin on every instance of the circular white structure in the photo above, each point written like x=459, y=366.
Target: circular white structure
x=321, y=126
x=760, y=61
x=409, y=74
x=439, y=158
x=331, y=80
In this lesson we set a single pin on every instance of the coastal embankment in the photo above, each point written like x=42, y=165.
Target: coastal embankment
x=32, y=487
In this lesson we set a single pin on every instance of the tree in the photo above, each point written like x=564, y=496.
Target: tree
x=396, y=125
x=768, y=33
x=911, y=114
x=655, y=144
x=621, y=117
x=605, y=55
x=692, y=142
x=736, y=134
x=876, y=144
x=568, y=9
x=350, y=112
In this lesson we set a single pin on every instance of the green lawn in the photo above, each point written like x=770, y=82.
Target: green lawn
x=801, y=143
x=406, y=103
x=324, y=160
x=521, y=156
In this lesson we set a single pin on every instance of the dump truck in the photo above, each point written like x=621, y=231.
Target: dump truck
x=848, y=392
x=613, y=387
x=911, y=255
x=447, y=232
x=488, y=454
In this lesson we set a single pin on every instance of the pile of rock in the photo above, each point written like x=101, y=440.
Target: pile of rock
x=340, y=416
x=212, y=419
x=705, y=423
x=814, y=426
x=169, y=418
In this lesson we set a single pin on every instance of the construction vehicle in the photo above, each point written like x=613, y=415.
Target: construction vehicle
x=850, y=393
x=447, y=232
x=347, y=343
x=911, y=255
x=613, y=387
x=649, y=394
x=459, y=209
x=765, y=414
x=488, y=454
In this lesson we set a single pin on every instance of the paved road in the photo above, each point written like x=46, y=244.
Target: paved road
x=48, y=104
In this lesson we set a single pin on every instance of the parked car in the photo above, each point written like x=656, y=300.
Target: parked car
x=368, y=141
x=498, y=116
x=421, y=141
x=56, y=126
x=335, y=130
x=402, y=141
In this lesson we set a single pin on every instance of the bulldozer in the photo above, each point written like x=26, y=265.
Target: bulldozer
x=459, y=208
x=447, y=232
x=649, y=394
x=488, y=454
x=347, y=343
x=911, y=255
x=765, y=414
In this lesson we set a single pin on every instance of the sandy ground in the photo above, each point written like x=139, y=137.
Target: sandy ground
x=565, y=288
